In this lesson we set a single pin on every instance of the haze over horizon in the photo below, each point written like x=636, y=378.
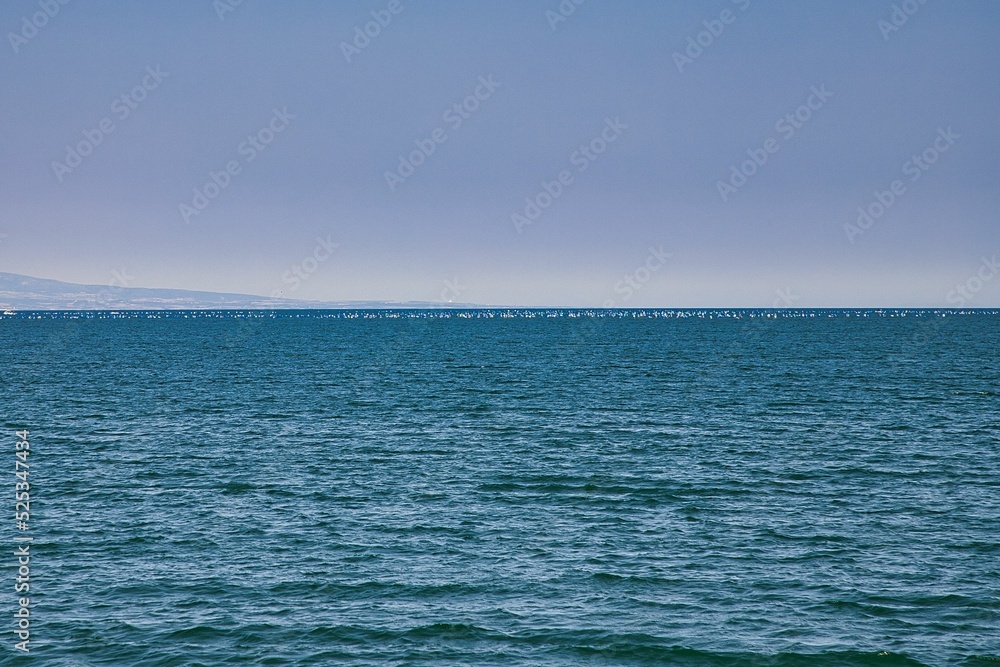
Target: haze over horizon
x=735, y=153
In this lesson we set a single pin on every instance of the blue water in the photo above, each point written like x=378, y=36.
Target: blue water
x=508, y=487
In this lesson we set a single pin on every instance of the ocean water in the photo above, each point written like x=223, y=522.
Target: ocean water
x=507, y=487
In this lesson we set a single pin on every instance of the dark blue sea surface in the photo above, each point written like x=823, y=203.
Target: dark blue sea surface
x=772, y=488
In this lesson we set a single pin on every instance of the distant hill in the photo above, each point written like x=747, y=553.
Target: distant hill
x=18, y=292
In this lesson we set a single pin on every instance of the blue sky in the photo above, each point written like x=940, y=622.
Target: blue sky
x=709, y=154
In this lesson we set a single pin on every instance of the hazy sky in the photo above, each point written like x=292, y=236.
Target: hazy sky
x=623, y=122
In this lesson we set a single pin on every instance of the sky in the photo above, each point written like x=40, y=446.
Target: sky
x=722, y=153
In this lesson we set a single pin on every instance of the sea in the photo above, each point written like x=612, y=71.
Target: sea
x=503, y=487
